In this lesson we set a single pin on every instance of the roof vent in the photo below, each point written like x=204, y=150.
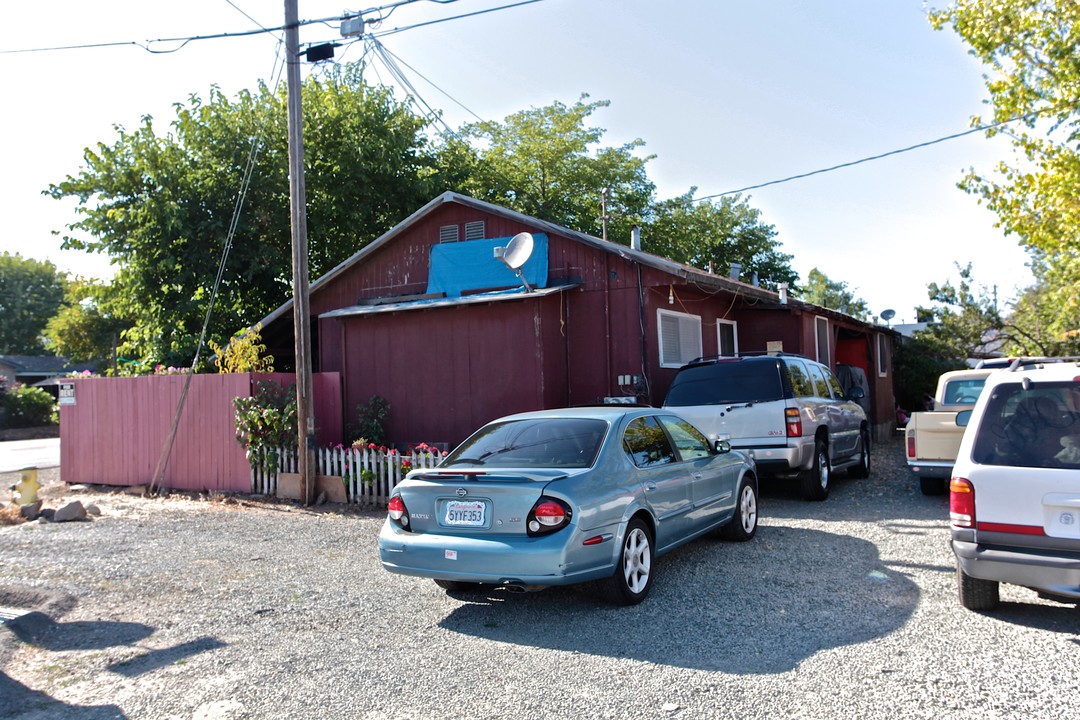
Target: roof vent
x=448, y=234
x=474, y=230
x=736, y=271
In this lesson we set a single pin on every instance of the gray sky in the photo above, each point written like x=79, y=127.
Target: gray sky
x=725, y=94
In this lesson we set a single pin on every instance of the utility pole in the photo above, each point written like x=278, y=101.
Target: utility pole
x=305, y=419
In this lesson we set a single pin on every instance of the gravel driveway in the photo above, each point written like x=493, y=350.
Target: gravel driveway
x=194, y=608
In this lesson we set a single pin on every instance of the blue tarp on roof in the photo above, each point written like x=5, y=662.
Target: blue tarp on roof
x=471, y=265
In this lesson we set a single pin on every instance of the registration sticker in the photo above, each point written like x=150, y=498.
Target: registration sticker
x=465, y=513
x=450, y=554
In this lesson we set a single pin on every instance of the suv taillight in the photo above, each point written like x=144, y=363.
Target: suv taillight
x=793, y=421
x=911, y=445
x=962, y=503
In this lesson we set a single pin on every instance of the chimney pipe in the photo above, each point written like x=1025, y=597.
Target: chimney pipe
x=635, y=237
x=736, y=271
x=783, y=293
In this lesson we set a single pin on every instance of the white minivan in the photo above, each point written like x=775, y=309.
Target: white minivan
x=1015, y=490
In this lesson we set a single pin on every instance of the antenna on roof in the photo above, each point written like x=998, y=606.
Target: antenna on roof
x=516, y=253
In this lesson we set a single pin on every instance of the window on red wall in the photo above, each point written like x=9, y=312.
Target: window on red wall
x=882, y=355
x=821, y=328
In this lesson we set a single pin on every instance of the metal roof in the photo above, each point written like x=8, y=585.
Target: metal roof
x=432, y=303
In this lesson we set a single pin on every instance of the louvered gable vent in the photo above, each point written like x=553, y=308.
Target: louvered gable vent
x=448, y=234
x=474, y=230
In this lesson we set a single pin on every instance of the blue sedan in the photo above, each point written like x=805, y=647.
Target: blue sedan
x=567, y=496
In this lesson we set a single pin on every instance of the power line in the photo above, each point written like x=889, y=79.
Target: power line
x=454, y=17
x=954, y=136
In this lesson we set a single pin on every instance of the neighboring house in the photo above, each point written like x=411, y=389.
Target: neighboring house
x=35, y=369
x=428, y=318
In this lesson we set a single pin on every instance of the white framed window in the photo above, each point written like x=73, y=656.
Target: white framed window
x=680, y=337
x=448, y=234
x=727, y=337
x=821, y=337
x=474, y=230
x=882, y=355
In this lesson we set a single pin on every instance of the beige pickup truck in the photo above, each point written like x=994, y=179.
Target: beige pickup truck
x=932, y=438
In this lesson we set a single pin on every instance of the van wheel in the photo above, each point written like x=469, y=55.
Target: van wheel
x=932, y=486
x=975, y=593
x=815, y=481
x=861, y=469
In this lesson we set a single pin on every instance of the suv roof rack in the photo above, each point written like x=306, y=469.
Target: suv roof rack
x=1026, y=362
x=748, y=353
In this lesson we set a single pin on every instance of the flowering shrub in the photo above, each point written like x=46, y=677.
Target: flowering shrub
x=83, y=375
x=24, y=407
x=266, y=421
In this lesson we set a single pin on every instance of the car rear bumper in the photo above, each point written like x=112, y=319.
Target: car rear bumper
x=550, y=560
x=1043, y=570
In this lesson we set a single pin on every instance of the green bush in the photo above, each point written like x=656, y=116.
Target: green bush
x=24, y=407
x=266, y=421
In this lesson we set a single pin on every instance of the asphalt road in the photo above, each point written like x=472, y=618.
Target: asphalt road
x=188, y=608
x=18, y=454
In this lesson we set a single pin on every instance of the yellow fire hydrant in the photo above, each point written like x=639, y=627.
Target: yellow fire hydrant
x=26, y=489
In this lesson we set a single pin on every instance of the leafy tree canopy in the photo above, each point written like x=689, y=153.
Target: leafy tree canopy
x=548, y=163
x=160, y=204
x=714, y=235
x=834, y=295
x=87, y=328
x=1032, y=51
x=31, y=291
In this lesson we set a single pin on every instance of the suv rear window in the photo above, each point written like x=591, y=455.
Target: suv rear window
x=734, y=381
x=1039, y=427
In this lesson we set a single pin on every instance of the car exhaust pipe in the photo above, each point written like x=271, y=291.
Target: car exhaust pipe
x=518, y=587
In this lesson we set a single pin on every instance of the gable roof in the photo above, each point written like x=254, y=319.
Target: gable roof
x=690, y=275
x=38, y=365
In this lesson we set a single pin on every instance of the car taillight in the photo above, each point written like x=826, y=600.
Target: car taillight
x=397, y=511
x=794, y=422
x=548, y=515
x=962, y=503
x=911, y=445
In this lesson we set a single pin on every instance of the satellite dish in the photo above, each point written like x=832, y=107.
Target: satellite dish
x=516, y=253
x=888, y=315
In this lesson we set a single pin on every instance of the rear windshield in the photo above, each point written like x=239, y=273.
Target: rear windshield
x=536, y=443
x=962, y=392
x=1038, y=427
x=725, y=382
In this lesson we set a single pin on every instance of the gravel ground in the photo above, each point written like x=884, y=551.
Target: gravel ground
x=233, y=608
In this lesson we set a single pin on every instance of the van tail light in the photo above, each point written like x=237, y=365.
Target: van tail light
x=548, y=515
x=962, y=503
x=911, y=445
x=793, y=421
x=398, y=513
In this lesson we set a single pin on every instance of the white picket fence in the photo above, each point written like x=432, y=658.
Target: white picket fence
x=369, y=475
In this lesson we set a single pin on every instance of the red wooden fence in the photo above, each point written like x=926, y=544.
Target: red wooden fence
x=115, y=432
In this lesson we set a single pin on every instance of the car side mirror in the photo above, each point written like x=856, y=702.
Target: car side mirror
x=857, y=393
x=963, y=418
x=722, y=446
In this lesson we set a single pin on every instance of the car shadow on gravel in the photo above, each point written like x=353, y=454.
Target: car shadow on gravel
x=753, y=608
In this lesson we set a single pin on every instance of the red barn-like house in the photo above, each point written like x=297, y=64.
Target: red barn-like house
x=429, y=318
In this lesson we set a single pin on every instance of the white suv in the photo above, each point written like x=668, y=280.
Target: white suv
x=787, y=412
x=1015, y=491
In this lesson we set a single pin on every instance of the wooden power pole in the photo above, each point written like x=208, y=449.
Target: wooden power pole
x=305, y=418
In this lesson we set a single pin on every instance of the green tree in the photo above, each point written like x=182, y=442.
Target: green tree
x=966, y=320
x=88, y=326
x=713, y=235
x=31, y=292
x=548, y=163
x=1032, y=51
x=160, y=205
x=834, y=295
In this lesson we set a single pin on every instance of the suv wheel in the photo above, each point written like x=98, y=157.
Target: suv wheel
x=862, y=469
x=975, y=593
x=815, y=481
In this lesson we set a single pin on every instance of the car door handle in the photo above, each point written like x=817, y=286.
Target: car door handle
x=697, y=476
x=650, y=486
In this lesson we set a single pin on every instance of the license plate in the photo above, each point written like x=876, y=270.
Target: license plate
x=465, y=513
